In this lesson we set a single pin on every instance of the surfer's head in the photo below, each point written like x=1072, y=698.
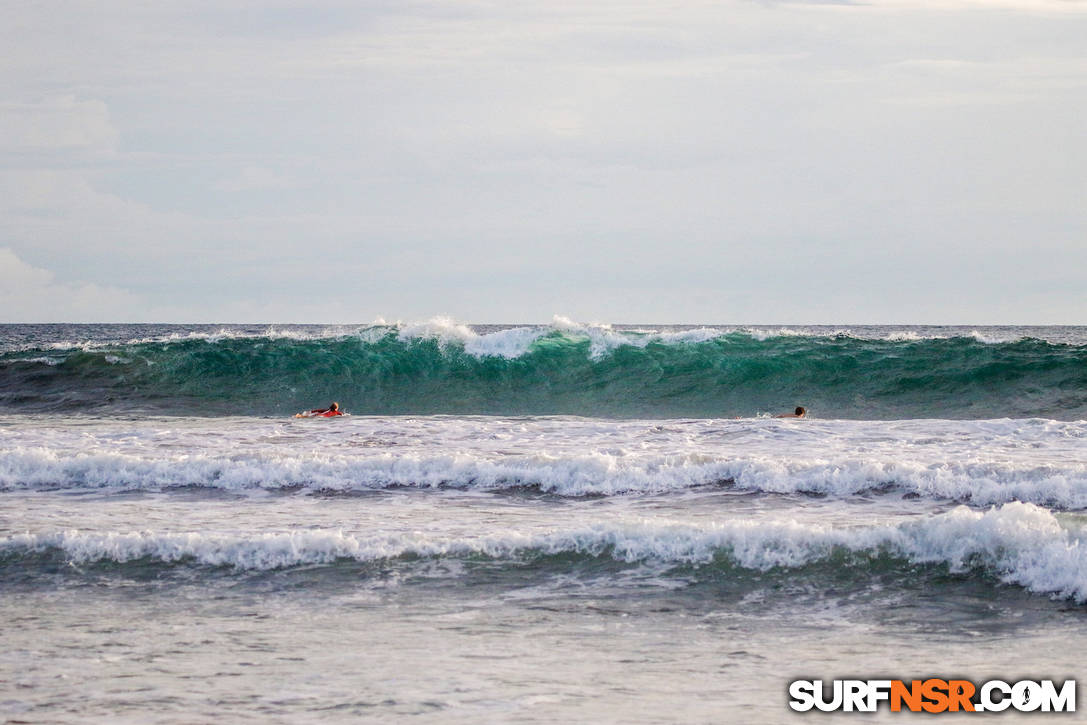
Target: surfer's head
x=336, y=406
x=800, y=412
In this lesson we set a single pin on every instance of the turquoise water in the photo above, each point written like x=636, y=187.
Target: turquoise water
x=442, y=368
x=531, y=523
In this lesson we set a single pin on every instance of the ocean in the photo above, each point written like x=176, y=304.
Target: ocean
x=532, y=523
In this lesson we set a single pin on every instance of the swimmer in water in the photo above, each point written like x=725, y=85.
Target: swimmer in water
x=798, y=413
x=330, y=412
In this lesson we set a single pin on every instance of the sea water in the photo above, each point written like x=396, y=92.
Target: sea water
x=531, y=523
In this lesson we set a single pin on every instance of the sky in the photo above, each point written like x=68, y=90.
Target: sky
x=628, y=161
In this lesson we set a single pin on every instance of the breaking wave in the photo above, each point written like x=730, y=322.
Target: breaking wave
x=563, y=368
x=593, y=473
x=1017, y=543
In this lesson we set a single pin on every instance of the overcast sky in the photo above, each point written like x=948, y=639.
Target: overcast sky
x=629, y=161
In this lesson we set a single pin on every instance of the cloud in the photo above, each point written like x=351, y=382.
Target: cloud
x=253, y=178
x=32, y=294
x=336, y=159
x=64, y=124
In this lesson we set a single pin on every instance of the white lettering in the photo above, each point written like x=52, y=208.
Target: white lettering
x=987, y=702
x=854, y=696
x=835, y=701
x=1064, y=701
x=803, y=694
x=878, y=690
x=1026, y=696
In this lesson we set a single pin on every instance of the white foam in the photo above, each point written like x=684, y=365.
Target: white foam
x=516, y=341
x=565, y=324
x=443, y=329
x=602, y=338
x=216, y=336
x=375, y=332
x=1024, y=544
x=994, y=339
x=226, y=333
x=762, y=335
x=593, y=472
x=1021, y=543
x=512, y=342
x=690, y=337
x=509, y=343
x=980, y=462
x=906, y=336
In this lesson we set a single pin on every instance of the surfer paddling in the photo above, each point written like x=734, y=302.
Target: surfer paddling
x=798, y=413
x=330, y=412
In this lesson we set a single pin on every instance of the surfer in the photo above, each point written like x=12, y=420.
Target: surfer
x=331, y=411
x=798, y=413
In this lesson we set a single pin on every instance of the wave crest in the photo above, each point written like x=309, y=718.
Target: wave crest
x=1019, y=543
x=564, y=368
x=593, y=473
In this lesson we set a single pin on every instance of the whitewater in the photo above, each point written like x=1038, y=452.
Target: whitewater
x=531, y=523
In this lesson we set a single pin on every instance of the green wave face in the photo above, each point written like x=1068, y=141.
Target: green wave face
x=558, y=373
